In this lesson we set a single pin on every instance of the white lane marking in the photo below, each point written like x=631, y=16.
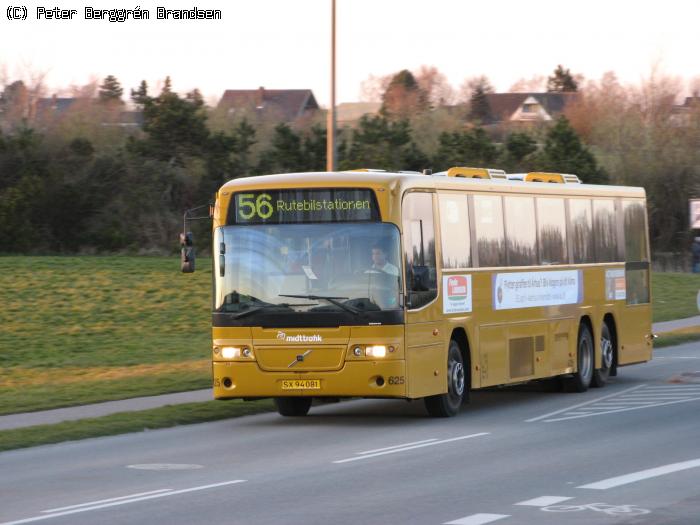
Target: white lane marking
x=642, y=475
x=122, y=502
x=477, y=519
x=404, y=449
x=674, y=387
x=544, y=501
x=397, y=446
x=89, y=503
x=606, y=407
x=588, y=414
x=532, y=420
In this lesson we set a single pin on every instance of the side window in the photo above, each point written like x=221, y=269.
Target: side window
x=490, y=239
x=521, y=232
x=636, y=252
x=454, y=231
x=581, y=226
x=419, y=247
x=551, y=224
x=635, y=230
x=604, y=230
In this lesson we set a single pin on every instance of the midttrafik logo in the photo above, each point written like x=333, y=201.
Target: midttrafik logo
x=299, y=338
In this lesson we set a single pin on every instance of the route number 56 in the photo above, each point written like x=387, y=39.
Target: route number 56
x=249, y=206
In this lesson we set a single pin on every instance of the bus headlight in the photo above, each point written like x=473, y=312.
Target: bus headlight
x=236, y=352
x=376, y=351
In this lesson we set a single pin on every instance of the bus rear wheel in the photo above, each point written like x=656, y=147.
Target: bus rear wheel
x=293, y=406
x=581, y=380
x=447, y=405
x=607, y=356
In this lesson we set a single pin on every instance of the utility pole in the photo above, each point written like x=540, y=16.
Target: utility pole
x=330, y=127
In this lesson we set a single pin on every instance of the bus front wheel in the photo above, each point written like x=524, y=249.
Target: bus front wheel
x=293, y=406
x=585, y=355
x=447, y=405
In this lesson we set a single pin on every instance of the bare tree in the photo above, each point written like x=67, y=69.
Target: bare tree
x=436, y=86
x=372, y=89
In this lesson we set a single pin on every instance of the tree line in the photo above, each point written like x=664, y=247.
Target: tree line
x=87, y=184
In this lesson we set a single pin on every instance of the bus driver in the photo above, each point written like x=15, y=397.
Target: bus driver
x=380, y=263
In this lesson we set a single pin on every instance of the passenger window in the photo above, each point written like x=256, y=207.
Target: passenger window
x=551, y=224
x=636, y=252
x=581, y=230
x=635, y=231
x=490, y=239
x=419, y=247
x=521, y=233
x=604, y=230
x=454, y=231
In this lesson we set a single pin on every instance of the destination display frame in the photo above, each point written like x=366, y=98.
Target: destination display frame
x=303, y=205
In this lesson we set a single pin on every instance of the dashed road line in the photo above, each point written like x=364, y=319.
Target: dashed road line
x=118, y=501
x=544, y=501
x=477, y=519
x=91, y=503
x=642, y=475
x=392, y=450
x=397, y=446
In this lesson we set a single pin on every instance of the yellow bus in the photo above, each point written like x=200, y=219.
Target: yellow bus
x=406, y=285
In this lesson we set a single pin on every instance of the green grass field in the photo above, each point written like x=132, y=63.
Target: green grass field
x=79, y=330
x=674, y=295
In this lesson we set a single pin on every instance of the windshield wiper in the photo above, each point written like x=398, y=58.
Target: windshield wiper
x=263, y=307
x=333, y=300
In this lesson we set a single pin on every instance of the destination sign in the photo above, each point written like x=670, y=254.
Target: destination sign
x=303, y=205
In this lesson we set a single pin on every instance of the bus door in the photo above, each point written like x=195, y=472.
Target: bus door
x=636, y=312
x=426, y=355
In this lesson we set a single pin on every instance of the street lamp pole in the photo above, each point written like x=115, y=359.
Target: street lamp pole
x=330, y=128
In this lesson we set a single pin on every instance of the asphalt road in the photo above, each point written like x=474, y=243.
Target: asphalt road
x=628, y=453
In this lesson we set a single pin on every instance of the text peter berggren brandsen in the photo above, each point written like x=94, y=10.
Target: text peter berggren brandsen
x=122, y=15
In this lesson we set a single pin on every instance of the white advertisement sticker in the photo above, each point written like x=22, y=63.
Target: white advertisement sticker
x=529, y=289
x=615, y=285
x=456, y=294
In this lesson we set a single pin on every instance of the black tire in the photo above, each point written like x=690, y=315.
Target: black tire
x=293, y=406
x=448, y=404
x=607, y=358
x=581, y=380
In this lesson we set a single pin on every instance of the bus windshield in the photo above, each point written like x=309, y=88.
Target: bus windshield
x=306, y=268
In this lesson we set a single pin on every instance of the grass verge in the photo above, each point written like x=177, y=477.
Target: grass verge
x=677, y=337
x=48, y=396
x=124, y=422
x=674, y=295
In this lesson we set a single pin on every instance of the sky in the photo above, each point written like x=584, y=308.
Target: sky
x=282, y=44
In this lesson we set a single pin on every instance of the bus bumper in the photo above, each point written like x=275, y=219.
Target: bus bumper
x=355, y=379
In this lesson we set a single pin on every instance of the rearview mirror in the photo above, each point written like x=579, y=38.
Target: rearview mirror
x=186, y=253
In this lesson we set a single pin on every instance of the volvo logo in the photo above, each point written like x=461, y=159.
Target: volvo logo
x=299, y=359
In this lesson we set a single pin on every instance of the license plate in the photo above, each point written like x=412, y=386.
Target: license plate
x=301, y=384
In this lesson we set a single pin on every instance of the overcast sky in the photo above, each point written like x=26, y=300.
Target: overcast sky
x=285, y=43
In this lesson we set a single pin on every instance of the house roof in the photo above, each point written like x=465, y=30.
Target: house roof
x=290, y=103
x=58, y=104
x=352, y=111
x=503, y=105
